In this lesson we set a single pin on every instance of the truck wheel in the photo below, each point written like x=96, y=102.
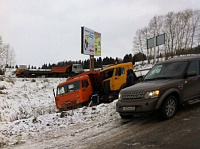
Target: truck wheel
x=169, y=107
x=123, y=116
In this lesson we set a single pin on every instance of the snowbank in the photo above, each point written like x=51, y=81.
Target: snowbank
x=25, y=97
x=28, y=115
x=72, y=124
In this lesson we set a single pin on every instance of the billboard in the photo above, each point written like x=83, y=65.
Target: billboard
x=90, y=42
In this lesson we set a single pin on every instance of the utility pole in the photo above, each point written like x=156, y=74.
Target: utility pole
x=154, y=49
x=91, y=62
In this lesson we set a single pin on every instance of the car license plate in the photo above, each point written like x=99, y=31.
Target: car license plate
x=128, y=108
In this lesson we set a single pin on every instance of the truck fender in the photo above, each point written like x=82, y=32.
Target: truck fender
x=163, y=97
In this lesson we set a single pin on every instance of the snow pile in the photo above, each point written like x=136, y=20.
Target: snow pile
x=45, y=127
x=28, y=112
x=28, y=115
x=25, y=97
x=10, y=72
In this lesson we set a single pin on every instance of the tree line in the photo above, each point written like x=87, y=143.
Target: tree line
x=98, y=62
x=181, y=29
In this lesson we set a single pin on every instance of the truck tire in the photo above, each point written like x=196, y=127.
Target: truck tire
x=169, y=107
x=124, y=116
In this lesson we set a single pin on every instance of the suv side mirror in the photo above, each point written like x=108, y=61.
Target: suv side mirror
x=191, y=74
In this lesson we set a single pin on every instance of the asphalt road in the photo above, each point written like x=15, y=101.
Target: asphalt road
x=149, y=132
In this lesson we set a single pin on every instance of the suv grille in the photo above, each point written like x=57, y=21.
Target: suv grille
x=134, y=95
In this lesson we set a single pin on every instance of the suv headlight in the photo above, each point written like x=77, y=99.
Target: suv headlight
x=120, y=96
x=152, y=94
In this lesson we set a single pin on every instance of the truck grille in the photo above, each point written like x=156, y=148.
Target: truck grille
x=134, y=95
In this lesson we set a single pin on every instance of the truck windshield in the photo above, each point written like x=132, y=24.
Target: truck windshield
x=70, y=87
x=166, y=70
x=107, y=74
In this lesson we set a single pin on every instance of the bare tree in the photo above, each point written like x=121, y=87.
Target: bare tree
x=155, y=28
x=195, y=26
x=139, y=42
x=11, y=57
x=7, y=55
x=2, y=52
x=170, y=24
x=182, y=30
x=188, y=15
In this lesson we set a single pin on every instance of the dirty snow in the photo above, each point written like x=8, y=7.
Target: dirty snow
x=29, y=118
x=28, y=113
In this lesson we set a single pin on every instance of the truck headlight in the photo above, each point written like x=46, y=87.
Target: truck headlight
x=152, y=94
x=120, y=96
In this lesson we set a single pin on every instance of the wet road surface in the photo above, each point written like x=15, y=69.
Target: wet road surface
x=149, y=132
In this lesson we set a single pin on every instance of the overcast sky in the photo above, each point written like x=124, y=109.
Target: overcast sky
x=49, y=31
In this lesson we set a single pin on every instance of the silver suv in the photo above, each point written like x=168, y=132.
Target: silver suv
x=167, y=85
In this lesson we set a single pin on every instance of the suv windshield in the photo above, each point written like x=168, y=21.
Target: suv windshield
x=166, y=70
x=70, y=87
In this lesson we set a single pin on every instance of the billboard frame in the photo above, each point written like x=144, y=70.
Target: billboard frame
x=90, y=42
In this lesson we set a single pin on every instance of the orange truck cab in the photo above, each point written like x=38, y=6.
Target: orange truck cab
x=77, y=90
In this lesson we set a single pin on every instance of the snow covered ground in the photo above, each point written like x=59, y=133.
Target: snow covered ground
x=29, y=118
x=28, y=114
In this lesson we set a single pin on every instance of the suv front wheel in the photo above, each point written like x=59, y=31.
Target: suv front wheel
x=169, y=107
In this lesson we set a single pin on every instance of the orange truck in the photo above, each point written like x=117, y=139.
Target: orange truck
x=61, y=71
x=77, y=90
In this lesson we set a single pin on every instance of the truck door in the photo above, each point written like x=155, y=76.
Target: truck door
x=120, y=78
x=192, y=83
x=86, y=90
